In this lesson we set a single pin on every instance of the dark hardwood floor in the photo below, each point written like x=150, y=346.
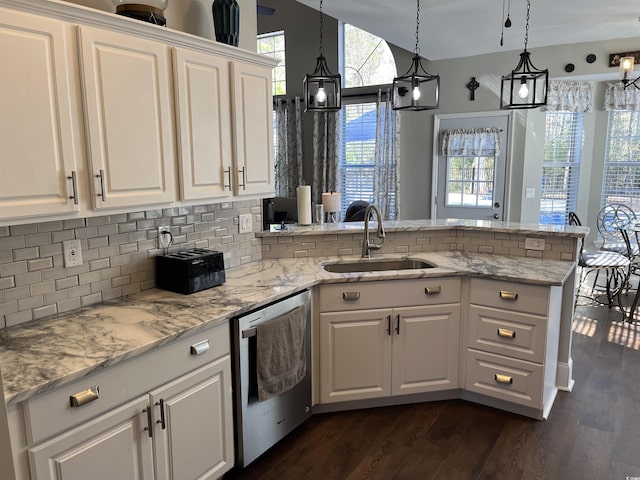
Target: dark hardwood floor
x=592, y=432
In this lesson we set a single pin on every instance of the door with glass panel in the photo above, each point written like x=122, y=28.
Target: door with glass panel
x=471, y=169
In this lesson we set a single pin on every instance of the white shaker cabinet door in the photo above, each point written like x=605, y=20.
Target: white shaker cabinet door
x=194, y=432
x=36, y=128
x=253, y=129
x=129, y=118
x=203, y=113
x=114, y=445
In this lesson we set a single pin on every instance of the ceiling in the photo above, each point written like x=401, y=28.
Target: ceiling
x=460, y=28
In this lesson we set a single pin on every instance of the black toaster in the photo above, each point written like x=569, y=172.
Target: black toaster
x=190, y=271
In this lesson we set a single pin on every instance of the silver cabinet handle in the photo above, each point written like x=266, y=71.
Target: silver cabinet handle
x=506, y=333
x=506, y=295
x=350, y=296
x=244, y=178
x=227, y=171
x=86, y=396
x=74, y=186
x=200, y=347
x=432, y=290
x=103, y=192
x=504, y=379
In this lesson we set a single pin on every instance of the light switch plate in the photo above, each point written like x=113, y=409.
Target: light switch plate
x=534, y=243
x=530, y=193
x=72, y=253
x=244, y=223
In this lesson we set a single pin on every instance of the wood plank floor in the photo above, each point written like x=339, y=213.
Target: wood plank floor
x=592, y=432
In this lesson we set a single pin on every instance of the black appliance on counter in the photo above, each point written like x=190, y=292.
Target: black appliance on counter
x=190, y=271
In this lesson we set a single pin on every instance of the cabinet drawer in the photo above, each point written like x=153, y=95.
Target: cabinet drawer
x=510, y=296
x=51, y=412
x=518, y=335
x=504, y=378
x=398, y=293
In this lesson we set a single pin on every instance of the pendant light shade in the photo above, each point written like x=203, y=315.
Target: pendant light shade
x=417, y=89
x=322, y=89
x=526, y=86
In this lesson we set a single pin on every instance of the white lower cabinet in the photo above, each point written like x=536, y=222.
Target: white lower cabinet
x=385, y=352
x=181, y=430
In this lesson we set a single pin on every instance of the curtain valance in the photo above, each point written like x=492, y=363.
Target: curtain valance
x=471, y=142
x=616, y=97
x=569, y=97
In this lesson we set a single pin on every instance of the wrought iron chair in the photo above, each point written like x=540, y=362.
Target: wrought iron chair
x=614, y=264
x=613, y=220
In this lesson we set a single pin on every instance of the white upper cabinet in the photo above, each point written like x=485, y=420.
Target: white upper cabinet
x=253, y=129
x=203, y=118
x=129, y=119
x=36, y=130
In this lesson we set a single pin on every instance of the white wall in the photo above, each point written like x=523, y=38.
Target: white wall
x=195, y=17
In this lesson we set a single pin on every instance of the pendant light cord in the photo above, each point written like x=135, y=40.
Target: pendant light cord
x=321, y=28
x=526, y=28
x=417, y=49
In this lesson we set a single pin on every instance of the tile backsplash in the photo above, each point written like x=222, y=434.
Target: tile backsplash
x=117, y=251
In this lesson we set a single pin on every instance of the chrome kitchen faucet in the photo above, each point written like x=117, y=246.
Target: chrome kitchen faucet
x=367, y=245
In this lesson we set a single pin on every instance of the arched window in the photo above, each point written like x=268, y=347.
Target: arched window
x=365, y=59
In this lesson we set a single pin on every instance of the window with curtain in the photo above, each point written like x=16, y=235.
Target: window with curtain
x=272, y=44
x=621, y=180
x=561, y=166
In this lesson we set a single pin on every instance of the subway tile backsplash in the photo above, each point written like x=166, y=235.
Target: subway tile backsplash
x=118, y=255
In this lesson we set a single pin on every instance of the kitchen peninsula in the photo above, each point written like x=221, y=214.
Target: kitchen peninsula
x=41, y=358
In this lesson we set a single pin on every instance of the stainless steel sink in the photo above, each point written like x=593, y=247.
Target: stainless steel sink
x=377, y=265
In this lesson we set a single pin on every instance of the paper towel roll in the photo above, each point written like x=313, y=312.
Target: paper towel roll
x=303, y=193
x=331, y=201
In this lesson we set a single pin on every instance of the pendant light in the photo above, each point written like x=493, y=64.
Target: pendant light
x=417, y=89
x=322, y=88
x=525, y=86
x=626, y=69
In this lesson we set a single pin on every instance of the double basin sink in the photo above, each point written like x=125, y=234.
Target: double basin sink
x=382, y=265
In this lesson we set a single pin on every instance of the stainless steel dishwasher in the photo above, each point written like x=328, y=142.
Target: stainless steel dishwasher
x=260, y=425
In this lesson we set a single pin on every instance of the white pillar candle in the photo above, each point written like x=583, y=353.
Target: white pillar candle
x=303, y=193
x=331, y=201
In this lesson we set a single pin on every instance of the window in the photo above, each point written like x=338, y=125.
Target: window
x=272, y=44
x=366, y=60
x=470, y=182
x=561, y=167
x=621, y=180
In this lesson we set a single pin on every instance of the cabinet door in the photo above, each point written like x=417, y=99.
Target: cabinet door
x=36, y=132
x=129, y=125
x=425, y=348
x=113, y=445
x=203, y=124
x=253, y=129
x=196, y=439
x=355, y=348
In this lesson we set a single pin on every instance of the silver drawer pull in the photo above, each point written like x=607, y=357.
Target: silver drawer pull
x=200, y=347
x=504, y=379
x=503, y=332
x=350, y=296
x=507, y=295
x=432, y=290
x=82, y=398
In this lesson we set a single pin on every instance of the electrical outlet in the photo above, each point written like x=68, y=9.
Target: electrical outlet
x=534, y=243
x=72, y=253
x=164, y=237
x=244, y=223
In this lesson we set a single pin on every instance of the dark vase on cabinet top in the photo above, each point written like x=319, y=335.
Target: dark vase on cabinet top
x=226, y=21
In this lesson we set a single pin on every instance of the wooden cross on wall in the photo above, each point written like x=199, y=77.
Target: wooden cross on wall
x=472, y=86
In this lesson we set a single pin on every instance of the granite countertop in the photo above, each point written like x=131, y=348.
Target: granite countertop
x=40, y=355
x=422, y=225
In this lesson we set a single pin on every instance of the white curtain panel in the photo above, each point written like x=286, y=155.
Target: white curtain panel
x=288, y=161
x=386, y=185
x=326, y=138
x=569, y=97
x=616, y=97
x=470, y=142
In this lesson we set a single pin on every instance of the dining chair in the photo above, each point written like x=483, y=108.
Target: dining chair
x=613, y=221
x=615, y=266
